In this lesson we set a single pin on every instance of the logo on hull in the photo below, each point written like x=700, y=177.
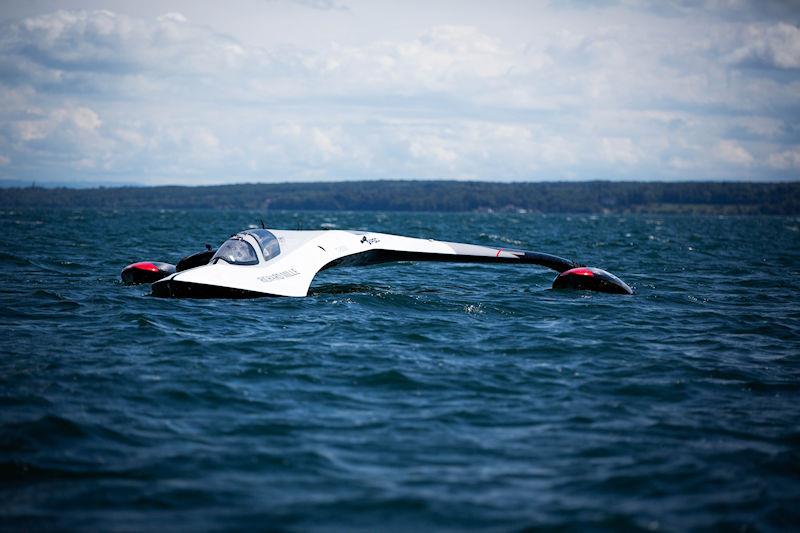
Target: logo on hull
x=279, y=276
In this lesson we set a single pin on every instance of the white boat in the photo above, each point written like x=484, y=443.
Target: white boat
x=271, y=262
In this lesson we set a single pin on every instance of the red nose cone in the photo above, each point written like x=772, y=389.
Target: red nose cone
x=582, y=271
x=145, y=265
x=146, y=272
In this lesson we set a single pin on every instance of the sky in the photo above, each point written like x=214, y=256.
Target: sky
x=194, y=93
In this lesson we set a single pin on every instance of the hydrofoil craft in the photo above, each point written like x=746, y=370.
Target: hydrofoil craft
x=270, y=262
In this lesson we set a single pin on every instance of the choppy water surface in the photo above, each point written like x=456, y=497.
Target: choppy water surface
x=435, y=396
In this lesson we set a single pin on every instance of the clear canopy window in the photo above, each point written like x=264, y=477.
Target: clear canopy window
x=236, y=252
x=268, y=242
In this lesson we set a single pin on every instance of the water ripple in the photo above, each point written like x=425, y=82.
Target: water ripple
x=434, y=396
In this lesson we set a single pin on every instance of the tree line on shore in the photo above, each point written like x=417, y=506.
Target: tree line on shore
x=544, y=197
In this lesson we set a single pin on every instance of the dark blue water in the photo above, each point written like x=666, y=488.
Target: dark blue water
x=430, y=396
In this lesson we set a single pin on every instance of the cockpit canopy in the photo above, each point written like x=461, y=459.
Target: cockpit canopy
x=268, y=242
x=239, y=251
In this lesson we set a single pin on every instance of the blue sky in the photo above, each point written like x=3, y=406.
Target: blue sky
x=186, y=92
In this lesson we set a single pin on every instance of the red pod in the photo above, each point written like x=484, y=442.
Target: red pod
x=146, y=272
x=591, y=279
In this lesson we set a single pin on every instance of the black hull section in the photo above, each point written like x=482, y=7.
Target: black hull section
x=571, y=274
x=169, y=288
x=194, y=260
x=375, y=257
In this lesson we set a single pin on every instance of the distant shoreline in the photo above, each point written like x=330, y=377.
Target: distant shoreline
x=732, y=198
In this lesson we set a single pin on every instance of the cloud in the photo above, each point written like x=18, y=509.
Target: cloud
x=172, y=17
x=619, y=150
x=100, y=51
x=325, y=5
x=786, y=160
x=776, y=46
x=621, y=93
x=733, y=152
x=443, y=59
x=728, y=10
x=69, y=121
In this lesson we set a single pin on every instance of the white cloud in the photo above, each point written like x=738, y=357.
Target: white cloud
x=434, y=151
x=70, y=121
x=172, y=17
x=131, y=138
x=443, y=59
x=775, y=46
x=604, y=93
x=786, y=160
x=732, y=152
x=324, y=5
x=619, y=150
x=101, y=51
x=324, y=142
x=82, y=117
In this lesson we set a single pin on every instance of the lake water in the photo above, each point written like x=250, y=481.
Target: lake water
x=406, y=396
